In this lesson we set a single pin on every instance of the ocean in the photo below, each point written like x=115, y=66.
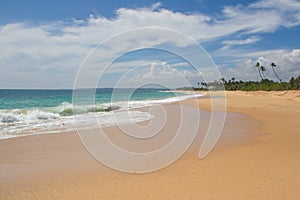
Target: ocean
x=27, y=112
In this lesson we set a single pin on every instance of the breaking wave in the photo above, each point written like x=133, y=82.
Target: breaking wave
x=20, y=122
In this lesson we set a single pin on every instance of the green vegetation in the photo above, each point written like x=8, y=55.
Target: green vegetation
x=264, y=84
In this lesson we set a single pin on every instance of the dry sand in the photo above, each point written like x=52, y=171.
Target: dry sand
x=263, y=163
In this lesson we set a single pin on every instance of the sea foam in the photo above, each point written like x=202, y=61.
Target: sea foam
x=66, y=116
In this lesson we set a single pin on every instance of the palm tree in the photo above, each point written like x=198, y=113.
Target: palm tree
x=222, y=80
x=273, y=67
x=262, y=69
x=198, y=85
x=259, y=68
x=204, y=84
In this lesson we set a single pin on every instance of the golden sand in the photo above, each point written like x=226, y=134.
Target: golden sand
x=56, y=166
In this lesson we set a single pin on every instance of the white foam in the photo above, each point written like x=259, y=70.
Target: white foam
x=21, y=122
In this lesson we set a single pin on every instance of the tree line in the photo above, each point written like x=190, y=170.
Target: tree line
x=264, y=84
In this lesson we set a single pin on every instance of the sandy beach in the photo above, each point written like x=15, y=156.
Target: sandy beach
x=257, y=157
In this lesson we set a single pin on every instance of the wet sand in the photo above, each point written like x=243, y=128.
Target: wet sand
x=257, y=157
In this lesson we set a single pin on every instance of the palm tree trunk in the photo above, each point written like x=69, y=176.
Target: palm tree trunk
x=276, y=74
x=263, y=75
x=260, y=74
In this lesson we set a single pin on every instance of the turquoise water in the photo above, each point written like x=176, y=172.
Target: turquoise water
x=18, y=99
x=35, y=111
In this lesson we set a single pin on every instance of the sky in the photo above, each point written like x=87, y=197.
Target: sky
x=118, y=43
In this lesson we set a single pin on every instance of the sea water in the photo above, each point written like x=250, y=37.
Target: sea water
x=27, y=112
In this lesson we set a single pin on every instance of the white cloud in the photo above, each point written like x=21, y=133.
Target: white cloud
x=162, y=73
x=156, y=5
x=179, y=64
x=289, y=10
x=241, y=42
x=230, y=43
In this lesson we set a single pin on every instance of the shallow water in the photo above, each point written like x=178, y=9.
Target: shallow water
x=24, y=112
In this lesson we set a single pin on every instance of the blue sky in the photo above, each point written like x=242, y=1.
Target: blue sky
x=36, y=10
x=44, y=43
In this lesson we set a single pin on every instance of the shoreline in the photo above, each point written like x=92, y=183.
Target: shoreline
x=51, y=121
x=263, y=165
